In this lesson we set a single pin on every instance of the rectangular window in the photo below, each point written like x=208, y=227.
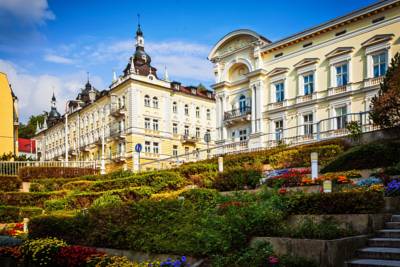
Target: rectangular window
x=147, y=123
x=308, y=84
x=208, y=114
x=197, y=112
x=155, y=148
x=197, y=133
x=243, y=135
x=155, y=125
x=147, y=147
x=308, y=124
x=175, y=128
x=278, y=130
x=187, y=153
x=279, y=92
x=341, y=118
x=186, y=133
x=233, y=133
x=379, y=64
x=175, y=150
x=342, y=75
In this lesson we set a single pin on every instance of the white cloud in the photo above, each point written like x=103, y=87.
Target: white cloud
x=33, y=11
x=34, y=91
x=184, y=60
x=57, y=59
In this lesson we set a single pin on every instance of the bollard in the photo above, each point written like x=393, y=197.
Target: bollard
x=314, y=165
x=136, y=164
x=220, y=164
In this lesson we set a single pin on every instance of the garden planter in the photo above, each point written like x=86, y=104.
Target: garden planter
x=326, y=253
x=392, y=204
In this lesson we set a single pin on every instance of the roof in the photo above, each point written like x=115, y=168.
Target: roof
x=24, y=145
x=331, y=24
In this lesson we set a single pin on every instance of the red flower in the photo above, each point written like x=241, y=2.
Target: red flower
x=282, y=191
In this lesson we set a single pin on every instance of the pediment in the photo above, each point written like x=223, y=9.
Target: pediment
x=379, y=38
x=306, y=62
x=339, y=51
x=277, y=71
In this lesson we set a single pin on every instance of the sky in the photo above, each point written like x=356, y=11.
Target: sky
x=49, y=46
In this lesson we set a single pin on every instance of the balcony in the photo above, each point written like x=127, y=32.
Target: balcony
x=186, y=139
x=237, y=115
x=117, y=134
x=119, y=157
x=373, y=81
x=72, y=152
x=339, y=89
x=117, y=110
x=277, y=105
x=305, y=98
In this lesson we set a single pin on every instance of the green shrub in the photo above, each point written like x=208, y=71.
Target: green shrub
x=189, y=169
x=56, y=204
x=165, y=180
x=10, y=214
x=200, y=195
x=335, y=203
x=77, y=185
x=301, y=157
x=42, y=251
x=28, y=198
x=29, y=173
x=107, y=200
x=293, y=261
x=369, y=156
x=204, y=179
x=393, y=170
x=10, y=183
x=237, y=179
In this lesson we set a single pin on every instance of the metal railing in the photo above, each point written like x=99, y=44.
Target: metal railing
x=235, y=113
x=11, y=168
x=306, y=133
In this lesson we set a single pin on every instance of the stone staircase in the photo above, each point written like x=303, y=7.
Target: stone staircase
x=383, y=250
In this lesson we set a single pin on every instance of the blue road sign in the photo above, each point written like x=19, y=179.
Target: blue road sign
x=138, y=148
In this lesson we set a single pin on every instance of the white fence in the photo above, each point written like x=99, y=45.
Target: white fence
x=11, y=168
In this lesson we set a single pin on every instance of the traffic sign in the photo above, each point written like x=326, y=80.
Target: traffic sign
x=138, y=148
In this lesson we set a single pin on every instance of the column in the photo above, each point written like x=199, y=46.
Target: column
x=253, y=109
x=259, y=108
x=218, y=116
x=224, y=132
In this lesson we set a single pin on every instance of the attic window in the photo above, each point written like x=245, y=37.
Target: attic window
x=278, y=55
x=307, y=44
x=209, y=95
x=341, y=33
x=175, y=86
x=377, y=20
x=194, y=91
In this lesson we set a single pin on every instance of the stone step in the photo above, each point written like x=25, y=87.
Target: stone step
x=392, y=225
x=384, y=242
x=381, y=253
x=395, y=218
x=372, y=263
x=389, y=233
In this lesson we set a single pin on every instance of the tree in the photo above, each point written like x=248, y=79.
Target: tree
x=28, y=130
x=385, y=107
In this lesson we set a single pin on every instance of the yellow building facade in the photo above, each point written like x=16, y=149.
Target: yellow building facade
x=307, y=86
x=8, y=118
x=168, y=119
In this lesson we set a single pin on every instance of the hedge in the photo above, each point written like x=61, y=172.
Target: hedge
x=301, y=157
x=237, y=179
x=25, y=199
x=369, y=156
x=9, y=214
x=335, y=203
x=10, y=183
x=30, y=173
x=189, y=169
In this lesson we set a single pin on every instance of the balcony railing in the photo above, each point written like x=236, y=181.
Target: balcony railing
x=117, y=133
x=119, y=157
x=373, y=81
x=276, y=105
x=305, y=98
x=189, y=139
x=339, y=89
x=117, y=110
x=239, y=113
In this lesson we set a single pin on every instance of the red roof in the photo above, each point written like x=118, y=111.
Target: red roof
x=24, y=145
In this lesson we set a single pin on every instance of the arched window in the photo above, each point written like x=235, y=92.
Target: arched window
x=123, y=101
x=208, y=114
x=147, y=101
x=186, y=110
x=174, y=107
x=242, y=103
x=155, y=102
x=197, y=112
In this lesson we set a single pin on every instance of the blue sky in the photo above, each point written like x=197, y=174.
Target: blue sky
x=48, y=46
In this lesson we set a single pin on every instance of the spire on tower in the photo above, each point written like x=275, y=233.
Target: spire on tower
x=114, y=79
x=166, y=76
